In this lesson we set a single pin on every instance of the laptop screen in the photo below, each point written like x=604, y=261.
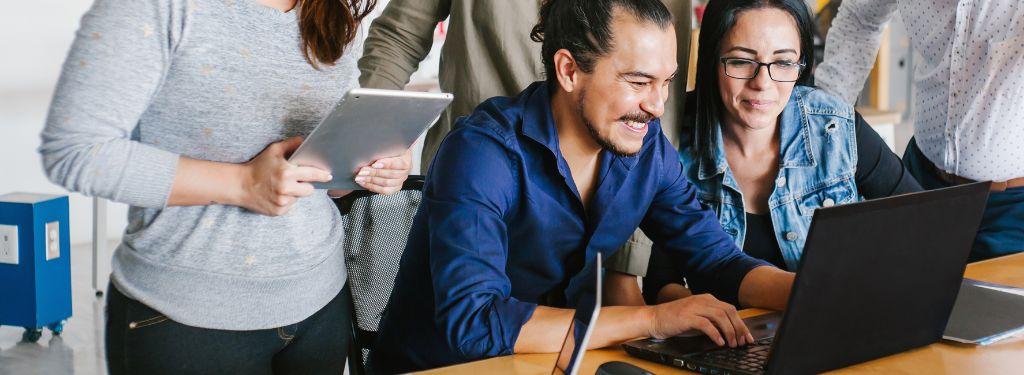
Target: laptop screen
x=588, y=305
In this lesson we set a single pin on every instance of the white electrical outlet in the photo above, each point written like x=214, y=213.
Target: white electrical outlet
x=9, y=244
x=52, y=240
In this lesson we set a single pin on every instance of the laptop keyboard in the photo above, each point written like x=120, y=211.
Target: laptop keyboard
x=751, y=358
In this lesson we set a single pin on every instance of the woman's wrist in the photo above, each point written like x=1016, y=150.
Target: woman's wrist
x=202, y=182
x=240, y=180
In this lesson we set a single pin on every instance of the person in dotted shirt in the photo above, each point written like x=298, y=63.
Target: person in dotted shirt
x=969, y=89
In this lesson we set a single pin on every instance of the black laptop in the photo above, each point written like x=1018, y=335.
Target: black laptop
x=876, y=278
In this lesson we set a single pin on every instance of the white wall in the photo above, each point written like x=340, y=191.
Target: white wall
x=34, y=39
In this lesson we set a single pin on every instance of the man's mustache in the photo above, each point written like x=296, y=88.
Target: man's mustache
x=637, y=117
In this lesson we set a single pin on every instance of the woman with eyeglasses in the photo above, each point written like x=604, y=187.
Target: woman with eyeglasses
x=762, y=145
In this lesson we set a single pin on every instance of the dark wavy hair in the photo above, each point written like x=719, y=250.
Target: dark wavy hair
x=328, y=26
x=583, y=27
x=719, y=17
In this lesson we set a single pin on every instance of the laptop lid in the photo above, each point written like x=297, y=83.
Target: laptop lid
x=877, y=278
x=588, y=306
x=985, y=313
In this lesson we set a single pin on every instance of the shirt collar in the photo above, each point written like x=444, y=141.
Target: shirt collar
x=795, y=142
x=539, y=125
x=538, y=120
x=714, y=164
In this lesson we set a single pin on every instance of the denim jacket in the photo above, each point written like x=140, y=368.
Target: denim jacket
x=818, y=163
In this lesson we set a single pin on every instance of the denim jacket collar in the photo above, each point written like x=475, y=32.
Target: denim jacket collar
x=795, y=147
x=818, y=158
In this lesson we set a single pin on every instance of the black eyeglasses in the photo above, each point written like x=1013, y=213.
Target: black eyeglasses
x=779, y=71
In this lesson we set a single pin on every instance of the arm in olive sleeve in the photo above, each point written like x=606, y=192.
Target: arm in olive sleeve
x=398, y=40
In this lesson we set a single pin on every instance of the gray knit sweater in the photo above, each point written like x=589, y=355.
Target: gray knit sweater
x=149, y=80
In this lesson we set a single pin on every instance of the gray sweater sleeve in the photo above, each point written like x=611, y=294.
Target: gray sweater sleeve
x=114, y=67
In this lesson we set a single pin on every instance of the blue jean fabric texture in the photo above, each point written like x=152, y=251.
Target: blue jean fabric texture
x=1002, y=226
x=818, y=157
x=140, y=340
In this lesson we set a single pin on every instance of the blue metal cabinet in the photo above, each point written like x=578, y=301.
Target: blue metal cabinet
x=35, y=262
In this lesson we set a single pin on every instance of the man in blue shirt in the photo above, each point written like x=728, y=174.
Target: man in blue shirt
x=527, y=187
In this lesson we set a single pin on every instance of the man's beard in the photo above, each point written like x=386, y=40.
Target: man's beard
x=604, y=142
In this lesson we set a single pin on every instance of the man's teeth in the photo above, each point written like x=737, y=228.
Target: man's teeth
x=636, y=125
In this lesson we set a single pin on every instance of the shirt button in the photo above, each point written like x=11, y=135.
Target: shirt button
x=791, y=236
x=828, y=202
x=781, y=181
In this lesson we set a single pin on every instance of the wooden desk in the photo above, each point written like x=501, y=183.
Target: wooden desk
x=1004, y=357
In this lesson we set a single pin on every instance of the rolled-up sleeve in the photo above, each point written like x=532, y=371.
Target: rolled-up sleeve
x=852, y=45
x=114, y=67
x=469, y=245
x=692, y=237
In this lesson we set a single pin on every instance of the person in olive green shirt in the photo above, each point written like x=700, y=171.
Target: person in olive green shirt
x=487, y=53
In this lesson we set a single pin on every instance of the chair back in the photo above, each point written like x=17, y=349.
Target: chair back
x=376, y=231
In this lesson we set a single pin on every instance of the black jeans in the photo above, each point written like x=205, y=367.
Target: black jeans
x=140, y=340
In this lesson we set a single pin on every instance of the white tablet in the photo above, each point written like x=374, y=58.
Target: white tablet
x=366, y=125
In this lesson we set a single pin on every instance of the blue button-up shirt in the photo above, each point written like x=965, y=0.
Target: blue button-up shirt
x=502, y=229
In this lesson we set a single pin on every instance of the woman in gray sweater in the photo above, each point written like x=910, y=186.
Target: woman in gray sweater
x=186, y=111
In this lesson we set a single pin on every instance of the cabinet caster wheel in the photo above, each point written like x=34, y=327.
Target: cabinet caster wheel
x=32, y=335
x=57, y=328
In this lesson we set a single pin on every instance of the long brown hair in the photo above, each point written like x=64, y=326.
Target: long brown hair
x=328, y=26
